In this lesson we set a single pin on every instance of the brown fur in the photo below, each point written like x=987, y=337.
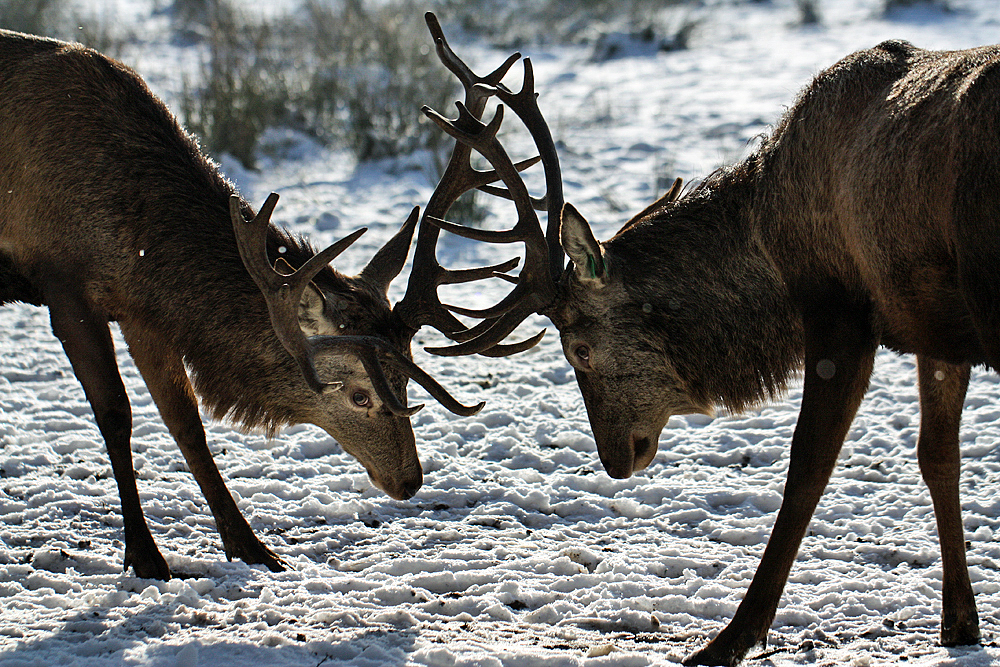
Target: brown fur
x=868, y=218
x=110, y=212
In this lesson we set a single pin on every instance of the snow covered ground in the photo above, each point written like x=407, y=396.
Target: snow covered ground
x=519, y=549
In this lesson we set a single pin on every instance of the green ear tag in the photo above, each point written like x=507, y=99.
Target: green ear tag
x=592, y=266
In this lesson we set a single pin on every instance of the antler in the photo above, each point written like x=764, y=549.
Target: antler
x=670, y=197
x=282, y=293
x=536, y=284
x=366, y=349
x=421, y=304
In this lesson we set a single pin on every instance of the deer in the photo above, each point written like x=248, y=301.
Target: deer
x=866, y=219
x=110, y=212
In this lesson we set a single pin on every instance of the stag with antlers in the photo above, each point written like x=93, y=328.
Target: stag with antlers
x=110, y=212
x=867, y=219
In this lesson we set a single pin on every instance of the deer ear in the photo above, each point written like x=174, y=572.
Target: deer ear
x=389, y=260
x=312, y=305
x=579, y=243
x=312, y=308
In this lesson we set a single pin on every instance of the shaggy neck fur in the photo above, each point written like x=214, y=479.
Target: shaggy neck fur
x=710, y=293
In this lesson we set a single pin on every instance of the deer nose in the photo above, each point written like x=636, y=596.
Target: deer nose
x=617, y=463
x=410, y=489
x=644, y=449
x=399, y=489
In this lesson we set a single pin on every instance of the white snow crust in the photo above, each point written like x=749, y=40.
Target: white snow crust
x=519, y=550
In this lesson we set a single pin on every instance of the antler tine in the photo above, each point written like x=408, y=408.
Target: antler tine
x=499, y=350
x=514, y=235
x=502, y=350
x=366, y=349
x=500, y=328
x=525, y=104
x=251, y=241
x=457, y=66
x=538, y=203
x=457, y=276
x=507, y=304
x=282, y=293
x=671, y=196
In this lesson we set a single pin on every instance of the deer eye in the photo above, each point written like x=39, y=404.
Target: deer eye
x=361, y=399
x=582, y=354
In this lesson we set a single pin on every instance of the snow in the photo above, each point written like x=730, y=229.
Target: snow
x=519, y=550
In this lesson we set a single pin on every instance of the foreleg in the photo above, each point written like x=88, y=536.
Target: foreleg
x=168, y=383
x=942, y=395
x=839, y=359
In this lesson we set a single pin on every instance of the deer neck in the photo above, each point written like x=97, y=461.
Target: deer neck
x=718, y=300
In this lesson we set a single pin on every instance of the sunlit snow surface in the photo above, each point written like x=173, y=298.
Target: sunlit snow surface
x=519, y=549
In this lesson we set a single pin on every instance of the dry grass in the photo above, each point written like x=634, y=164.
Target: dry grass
x=344, y=73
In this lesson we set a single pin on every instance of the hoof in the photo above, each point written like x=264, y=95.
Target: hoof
x=256, y=553
x=965, y=634
x=727, y=649
x=960, y=625
x=147, y=565
x=713, y=656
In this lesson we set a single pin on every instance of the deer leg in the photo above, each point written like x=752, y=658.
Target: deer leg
x=86, y=338
x=839, y=359
x=942, y=394
x=168, y=383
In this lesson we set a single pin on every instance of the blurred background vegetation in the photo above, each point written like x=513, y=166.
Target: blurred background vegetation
x=350, y=73
x=354, y=73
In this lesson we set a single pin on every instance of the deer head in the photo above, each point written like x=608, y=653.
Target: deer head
x=620, y=329
x=353, y=353
x=629, y=388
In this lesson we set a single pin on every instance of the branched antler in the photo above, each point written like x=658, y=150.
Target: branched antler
x=421, y=304
x=283, y=292
x=535, y=286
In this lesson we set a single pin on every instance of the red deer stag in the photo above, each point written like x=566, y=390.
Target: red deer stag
x=867, y=219
x=109, y=212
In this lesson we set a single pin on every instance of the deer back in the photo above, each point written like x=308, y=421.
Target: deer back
x=879, y=177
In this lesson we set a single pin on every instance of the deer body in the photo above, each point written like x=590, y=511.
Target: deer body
x=109, y=212
x=882, y=170
x=868, y=218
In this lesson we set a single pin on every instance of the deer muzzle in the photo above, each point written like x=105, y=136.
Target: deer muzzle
x=623, y=456
x=399, y=485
